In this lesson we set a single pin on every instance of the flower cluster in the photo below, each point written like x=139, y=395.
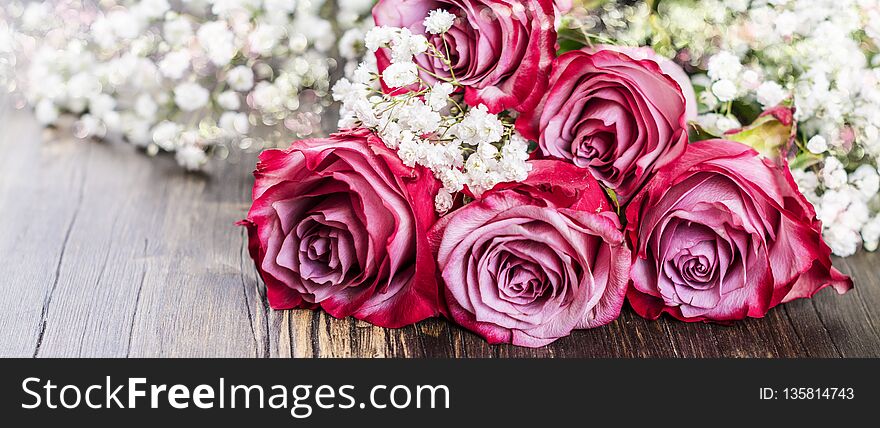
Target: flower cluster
x=196, y=77
x=429, y=124
x=818, y=57
x=525, y=189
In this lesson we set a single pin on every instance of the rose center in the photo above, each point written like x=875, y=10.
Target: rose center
x=521, y=282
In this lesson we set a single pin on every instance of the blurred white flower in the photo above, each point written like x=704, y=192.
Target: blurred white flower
x=177, y=31
x=724, y=65
x=771, y=94
x=46, y=112
x=725, y=90
x=234, y=123
x=191, y=157
x=218, y=42
x=151, y=9
x=240, y=78
x=264, y=38
x=866, y=180
x=267, y=97
x=166, y=133
x=190, y=96
x=229, y=100
x=175, y=64
x=145, y=107
x=817, y=144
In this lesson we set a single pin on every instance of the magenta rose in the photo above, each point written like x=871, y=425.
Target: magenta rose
x=669, y=67
x=500, y=50
x=529, y=262
x=724, y=234
x=619, y=117
x=340, y=223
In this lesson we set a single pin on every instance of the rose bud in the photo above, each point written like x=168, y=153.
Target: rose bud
x=529, y=262
x=500, y=50
x=619, y=117
x=724, y=234
x=340, y=223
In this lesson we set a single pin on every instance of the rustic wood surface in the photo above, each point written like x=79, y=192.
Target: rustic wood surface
x=105, y=252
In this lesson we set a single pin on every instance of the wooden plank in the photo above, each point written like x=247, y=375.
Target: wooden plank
x=106, y=252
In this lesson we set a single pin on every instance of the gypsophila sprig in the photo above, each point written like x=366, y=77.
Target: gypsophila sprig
x=195, y=78
x=430, y=125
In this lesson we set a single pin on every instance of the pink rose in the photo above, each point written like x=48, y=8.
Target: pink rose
x=501, y=50
x=669, y=67
x=724, y=234
x=621, y=118
x=341, y=223
x=531, y=261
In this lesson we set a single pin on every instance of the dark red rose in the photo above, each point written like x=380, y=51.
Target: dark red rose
x=340, y=223
x=724, y=234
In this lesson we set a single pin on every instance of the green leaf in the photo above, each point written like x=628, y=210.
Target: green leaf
x=767, y=135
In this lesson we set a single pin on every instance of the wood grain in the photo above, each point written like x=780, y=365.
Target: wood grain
x=105, y=252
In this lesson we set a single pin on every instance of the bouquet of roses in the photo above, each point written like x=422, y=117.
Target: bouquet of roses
x=482, y=175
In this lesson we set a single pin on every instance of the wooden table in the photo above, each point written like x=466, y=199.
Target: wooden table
x=105, y=252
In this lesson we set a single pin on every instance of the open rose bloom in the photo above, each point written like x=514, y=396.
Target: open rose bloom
x=342, y=224
x=724, y=234
x=529, y=263
x=619, y=117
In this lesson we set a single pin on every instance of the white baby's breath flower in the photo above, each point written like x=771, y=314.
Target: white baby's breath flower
x=190, y=96
x=101, y=104
x=438, y=97
x=833, y=174
x=708, y=100
x=401, y=74
x=407, y=150
x=363, y=110
x=439, y=21
x=378, y=37
x=267, y=97
x=191, y=157
x=229, y=100
x=287, y=6
x=351, y=44
x=817, y=144
x=240, y=78
x=443, y=201
x=151, y=9
x=218, y=41
x=234, y=123
x=724, y=65
x=725, y=90
x=871, y=233
x=46, y=112
x=166, y=133
x=177, y=31
x=146, y=107
x=391, y=134
x=364, y=73
x=866, y=180
x=264, y=38
x=771, y=94
x=175, y=64
x=346, y=90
